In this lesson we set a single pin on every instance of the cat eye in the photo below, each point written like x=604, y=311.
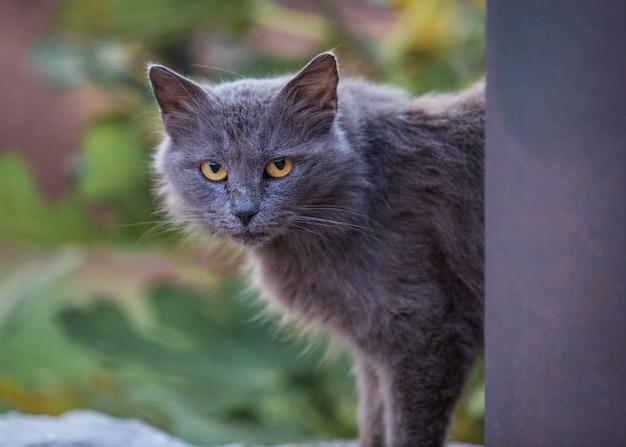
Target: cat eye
x=213, y=171
x=279, y=167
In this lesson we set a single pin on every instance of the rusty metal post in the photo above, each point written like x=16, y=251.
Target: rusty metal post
x=556, y=223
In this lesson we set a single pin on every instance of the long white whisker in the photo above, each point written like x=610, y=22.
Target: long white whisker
x=310, y=230
x=333, y=208
x=331, y=222
x=170, y=225
x=350, y=214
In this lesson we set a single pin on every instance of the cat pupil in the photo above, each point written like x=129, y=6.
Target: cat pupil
x=214, y=167
x=280, y=163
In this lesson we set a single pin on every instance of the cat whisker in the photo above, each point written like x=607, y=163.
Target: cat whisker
x=340, y=209
x=154, y=232
x=169, y=225
x=333, y=223
x=229, y=70
x=333, y=208
x=311, y=231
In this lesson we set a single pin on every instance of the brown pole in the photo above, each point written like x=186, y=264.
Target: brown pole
x=556, y=223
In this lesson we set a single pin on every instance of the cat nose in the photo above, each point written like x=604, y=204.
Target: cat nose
x=245, y=208
x=245, y=216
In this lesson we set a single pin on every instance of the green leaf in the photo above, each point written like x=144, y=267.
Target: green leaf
x=26, y=217
x=114, y=162
x=217, y=374
x=40, y=371
x=157, y=20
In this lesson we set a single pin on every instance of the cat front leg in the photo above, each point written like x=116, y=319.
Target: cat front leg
x=420, y=391
x=371, y=417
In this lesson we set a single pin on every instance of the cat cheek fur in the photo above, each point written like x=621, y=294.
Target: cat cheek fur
x=184, y=193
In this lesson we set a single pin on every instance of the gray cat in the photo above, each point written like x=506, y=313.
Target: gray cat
x=361, y=210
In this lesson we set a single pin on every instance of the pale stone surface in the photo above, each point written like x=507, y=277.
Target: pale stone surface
x=80, y=428
x=85, y=428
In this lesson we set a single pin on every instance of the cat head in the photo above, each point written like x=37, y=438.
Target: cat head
x=254, y=160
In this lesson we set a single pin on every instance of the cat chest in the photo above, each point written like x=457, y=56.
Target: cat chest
x=316, y=289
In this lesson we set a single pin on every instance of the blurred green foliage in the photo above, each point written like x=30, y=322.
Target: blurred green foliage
x=25, y=215
x=102, y=307
x=203, y=365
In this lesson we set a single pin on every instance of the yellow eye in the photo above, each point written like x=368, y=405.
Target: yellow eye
x=213, y=171
x=279, y=167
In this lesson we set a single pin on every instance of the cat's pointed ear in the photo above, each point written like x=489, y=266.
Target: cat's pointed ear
x=174, y=93
x=314, y=88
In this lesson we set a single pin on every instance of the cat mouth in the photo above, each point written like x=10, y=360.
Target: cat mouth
x=251, y=238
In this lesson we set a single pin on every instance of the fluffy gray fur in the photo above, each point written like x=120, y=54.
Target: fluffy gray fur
x=375, y=234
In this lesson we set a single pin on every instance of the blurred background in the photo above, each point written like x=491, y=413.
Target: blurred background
x=102, y=306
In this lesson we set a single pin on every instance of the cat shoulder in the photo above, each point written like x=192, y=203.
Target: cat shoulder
x=470, y=100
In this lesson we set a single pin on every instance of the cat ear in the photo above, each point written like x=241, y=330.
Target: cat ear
x=314, y=88
x=174, y=93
